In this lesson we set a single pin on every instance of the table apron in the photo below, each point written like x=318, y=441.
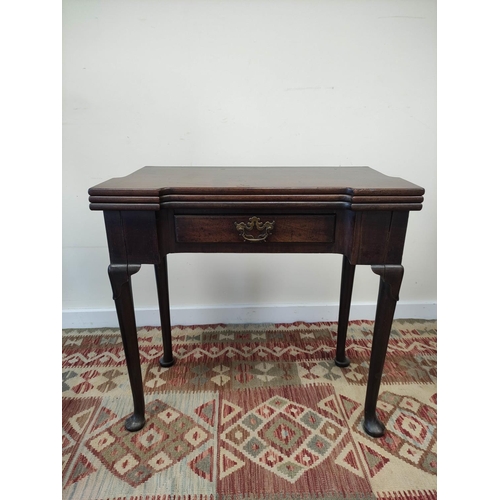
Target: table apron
x=145, y=237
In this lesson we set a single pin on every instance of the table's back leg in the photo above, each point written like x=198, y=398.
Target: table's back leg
x=164, y=305
x=119, y=275
x=391, y=277
x=344, y=308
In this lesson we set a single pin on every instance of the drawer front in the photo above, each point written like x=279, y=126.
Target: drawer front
x=255, y=229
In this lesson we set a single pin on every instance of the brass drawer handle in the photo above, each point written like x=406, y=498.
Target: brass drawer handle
x=265, y=229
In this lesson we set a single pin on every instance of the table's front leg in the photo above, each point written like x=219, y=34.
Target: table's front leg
x=391, y=277
x=119, y=275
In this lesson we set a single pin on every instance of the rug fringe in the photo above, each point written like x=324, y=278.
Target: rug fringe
x=408, y=495
x=167, y=497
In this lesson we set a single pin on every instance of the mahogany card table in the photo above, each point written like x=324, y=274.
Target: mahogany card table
x=354, y=211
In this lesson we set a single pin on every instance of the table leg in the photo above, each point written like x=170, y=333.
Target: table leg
x=164, y=304
x=391, y=277
x=119, y=275
x=344, y=307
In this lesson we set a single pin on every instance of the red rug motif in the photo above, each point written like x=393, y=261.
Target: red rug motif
x=250, y=412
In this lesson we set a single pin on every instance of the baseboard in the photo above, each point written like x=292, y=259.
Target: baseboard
x=97, y=318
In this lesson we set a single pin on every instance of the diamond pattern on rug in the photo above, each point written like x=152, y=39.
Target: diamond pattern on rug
x=167, y=437
x=284, y=437
x=289, y=438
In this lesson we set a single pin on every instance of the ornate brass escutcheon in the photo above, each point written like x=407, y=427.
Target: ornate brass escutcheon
x=254, y=222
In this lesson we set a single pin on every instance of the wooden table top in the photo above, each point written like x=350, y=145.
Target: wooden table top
x=155, y=185
x=162, y=180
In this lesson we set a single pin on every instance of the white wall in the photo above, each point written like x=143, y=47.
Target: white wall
x=239, y=83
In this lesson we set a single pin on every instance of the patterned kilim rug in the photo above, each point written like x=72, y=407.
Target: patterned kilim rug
x=250, y=412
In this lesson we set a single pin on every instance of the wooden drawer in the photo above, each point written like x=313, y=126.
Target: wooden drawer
x=255, y=229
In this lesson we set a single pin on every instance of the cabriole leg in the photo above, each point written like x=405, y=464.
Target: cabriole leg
x=390, y=283
x=164, y=305
x=119, y=275
x=344, y=308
